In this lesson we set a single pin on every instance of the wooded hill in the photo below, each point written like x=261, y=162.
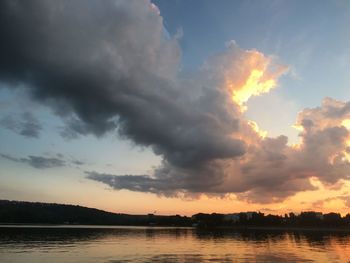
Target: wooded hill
x=18, y=212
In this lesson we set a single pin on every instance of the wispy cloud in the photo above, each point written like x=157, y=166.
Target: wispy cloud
x=41, y=162
x=38, y=162
x=26, y=124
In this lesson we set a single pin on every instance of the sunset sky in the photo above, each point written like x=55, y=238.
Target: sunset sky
x=176, y=107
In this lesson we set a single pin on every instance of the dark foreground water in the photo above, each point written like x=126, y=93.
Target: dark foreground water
x=142, y=244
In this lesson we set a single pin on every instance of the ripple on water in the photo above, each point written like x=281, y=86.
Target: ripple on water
x=141, y=244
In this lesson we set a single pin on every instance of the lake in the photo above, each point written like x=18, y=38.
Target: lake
x=164, y=244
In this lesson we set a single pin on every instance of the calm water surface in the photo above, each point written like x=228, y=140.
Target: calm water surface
x=142, y=244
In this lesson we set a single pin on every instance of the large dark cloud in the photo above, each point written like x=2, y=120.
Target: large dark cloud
x=108, y=65
x=269, y=171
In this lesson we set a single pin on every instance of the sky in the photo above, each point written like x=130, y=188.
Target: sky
x=176, y=107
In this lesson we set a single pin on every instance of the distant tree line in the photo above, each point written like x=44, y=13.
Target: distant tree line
x=18, y=212
x=304, y=219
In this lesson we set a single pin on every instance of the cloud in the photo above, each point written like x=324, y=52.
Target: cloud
x=74, y=128
x=141, y=183
x=110, y=66
x=320, y=204
x=95, y=60
x=78, y=162
x=26, y=125
x=269, y=171
x=41, y=162
x=38, y=162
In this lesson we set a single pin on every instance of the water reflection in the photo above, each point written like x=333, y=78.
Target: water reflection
x=139, y=244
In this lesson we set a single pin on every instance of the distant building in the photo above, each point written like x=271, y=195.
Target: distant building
x=232, y=217
x=250, y=215
x=311, y=215
x=332, y=217
x=319, y=215
x=240, y=217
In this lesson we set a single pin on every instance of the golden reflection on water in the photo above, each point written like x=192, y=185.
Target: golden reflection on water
x=139, y=244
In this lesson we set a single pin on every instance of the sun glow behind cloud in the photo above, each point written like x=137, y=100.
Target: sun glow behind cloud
x=346, y=123
x=252, y=74
x=346, y=153
x=256, y=128
x=254, y=86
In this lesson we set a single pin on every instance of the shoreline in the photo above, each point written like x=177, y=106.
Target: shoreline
x=283, y=228
x=219, y=228
x=88, y=226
